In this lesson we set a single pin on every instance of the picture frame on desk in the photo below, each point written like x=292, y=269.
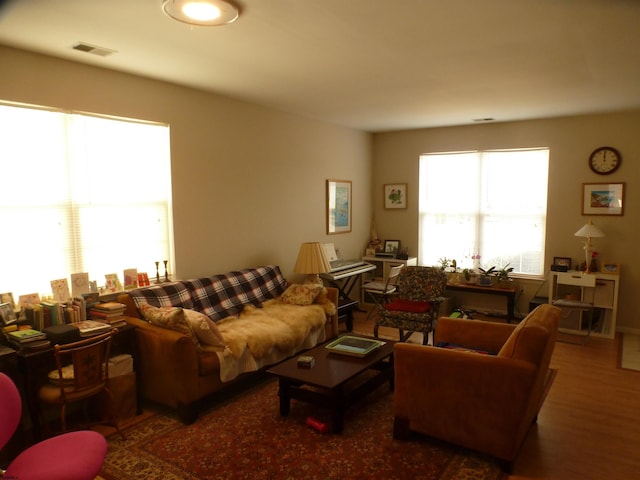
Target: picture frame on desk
x=563, y=262
x=7, y=314
x=610, y=267
x=392, y=247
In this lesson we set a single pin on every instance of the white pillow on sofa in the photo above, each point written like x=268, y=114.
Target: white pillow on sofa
x=205, y=329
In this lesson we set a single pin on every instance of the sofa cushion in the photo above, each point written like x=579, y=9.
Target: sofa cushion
x=220, y=296
x=301, y=294
x=205, y=329
x=172, y=318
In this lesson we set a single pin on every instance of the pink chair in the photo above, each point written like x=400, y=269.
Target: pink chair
x=71, y=456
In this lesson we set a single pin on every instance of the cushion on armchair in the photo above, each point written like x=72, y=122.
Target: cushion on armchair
x=401, y=305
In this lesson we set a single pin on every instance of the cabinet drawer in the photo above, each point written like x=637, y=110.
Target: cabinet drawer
x=578, y=279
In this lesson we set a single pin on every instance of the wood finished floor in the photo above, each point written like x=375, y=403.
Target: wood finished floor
x=589, y=425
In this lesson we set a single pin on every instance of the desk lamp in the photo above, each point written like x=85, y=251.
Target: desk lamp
x=311, y=261
x=588, y=231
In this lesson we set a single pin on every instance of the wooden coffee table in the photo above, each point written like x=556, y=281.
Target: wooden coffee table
x=335, y=381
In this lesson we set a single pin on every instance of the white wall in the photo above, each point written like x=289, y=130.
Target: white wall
x=570, y=140
x=248, y=182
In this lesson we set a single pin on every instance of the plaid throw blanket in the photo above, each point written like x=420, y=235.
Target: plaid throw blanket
x=218, y=296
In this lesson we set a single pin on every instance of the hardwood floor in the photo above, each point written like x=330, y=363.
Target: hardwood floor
x=589, y=425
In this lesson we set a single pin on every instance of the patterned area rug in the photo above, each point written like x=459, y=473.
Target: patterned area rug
x=245, y=438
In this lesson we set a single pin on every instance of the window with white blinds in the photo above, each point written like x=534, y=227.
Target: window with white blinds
x=81, y=193
x=484, y=209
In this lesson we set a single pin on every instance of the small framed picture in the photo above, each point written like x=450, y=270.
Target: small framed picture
x=602, y=198
x=395, y=195
x=7, y=314
x=610, y=267
x=392, y=246
x=563, y=262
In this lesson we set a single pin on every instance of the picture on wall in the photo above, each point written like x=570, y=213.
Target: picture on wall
x=602, y=198
x=395, y=195
x=338, y=206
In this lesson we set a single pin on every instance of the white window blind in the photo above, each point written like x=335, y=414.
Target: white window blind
x=491, y=204
x=81, y=193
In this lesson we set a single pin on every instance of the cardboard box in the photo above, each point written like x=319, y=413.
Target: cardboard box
x=123, y=389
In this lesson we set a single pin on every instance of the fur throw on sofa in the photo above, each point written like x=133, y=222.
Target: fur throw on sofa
x=267, y=335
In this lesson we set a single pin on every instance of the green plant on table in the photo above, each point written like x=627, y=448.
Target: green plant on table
x=503, y=273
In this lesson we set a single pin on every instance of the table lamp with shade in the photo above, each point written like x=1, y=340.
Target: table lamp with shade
x=311, y=262
x=588, y=231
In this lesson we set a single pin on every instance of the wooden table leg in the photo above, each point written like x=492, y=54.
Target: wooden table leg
x=285, y=396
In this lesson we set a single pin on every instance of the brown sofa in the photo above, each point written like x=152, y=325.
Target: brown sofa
x=484, y=402
x=172, y=370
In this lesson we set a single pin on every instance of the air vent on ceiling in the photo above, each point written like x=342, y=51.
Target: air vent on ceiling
x=486, y=119
x=100, y=51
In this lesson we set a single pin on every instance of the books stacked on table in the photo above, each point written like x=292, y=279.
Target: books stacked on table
x=88, y=328
x=28, y=338
x=109, y=312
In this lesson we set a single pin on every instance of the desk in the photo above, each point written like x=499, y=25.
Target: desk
x=508, y=293
x=34, y=366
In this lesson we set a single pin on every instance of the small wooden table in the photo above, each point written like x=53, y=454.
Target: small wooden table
x=331, y=376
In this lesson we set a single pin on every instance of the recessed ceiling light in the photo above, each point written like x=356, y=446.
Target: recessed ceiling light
x=204, y=13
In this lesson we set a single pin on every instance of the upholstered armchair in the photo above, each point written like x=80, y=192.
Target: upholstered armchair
x=416, y=305
x=481, y=387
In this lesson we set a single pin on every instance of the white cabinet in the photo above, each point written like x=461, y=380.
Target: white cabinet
x=599, y=289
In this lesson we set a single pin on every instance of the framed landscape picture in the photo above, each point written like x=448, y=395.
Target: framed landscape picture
x=338, y=206
x=602, y=198
x=395, y=195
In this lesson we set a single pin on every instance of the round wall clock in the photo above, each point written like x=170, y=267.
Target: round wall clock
x=604, y=160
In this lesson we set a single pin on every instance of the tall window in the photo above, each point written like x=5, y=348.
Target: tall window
x=80, y=193
x=484, y=209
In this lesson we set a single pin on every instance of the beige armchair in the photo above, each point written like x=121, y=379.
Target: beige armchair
x=483, y=402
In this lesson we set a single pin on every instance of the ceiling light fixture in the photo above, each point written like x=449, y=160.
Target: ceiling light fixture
x=203, y=13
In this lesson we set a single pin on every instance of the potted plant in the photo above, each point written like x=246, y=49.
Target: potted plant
x=485, y=276
x=502, y=274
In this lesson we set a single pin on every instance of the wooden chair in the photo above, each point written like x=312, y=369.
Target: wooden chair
x=82, y=373
x=379, y=292
x=75, y=455
x=416, y=305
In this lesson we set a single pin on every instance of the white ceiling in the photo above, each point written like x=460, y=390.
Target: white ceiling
x=373, y=65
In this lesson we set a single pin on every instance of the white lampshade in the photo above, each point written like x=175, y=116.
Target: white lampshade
x=589, y=230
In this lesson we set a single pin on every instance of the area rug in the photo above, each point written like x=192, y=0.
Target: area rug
x=246, y=438
x=629, y=351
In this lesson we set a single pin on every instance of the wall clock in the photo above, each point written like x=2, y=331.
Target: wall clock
x=605, y=160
